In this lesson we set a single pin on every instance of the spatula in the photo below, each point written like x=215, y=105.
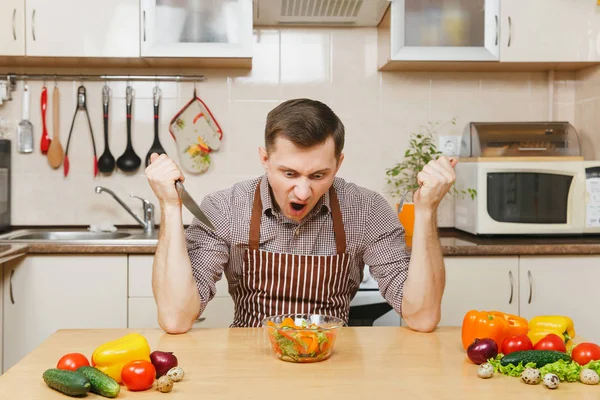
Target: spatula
x=55, y=151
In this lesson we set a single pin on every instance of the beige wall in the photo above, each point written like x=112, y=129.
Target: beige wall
x=337, y=66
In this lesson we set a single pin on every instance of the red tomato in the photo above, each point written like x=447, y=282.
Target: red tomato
x=138, y=375
x=583, y=353
x=551, y=342
x=516, y=343
x=72, y=361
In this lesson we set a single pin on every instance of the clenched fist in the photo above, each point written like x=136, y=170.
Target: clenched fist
x=436, y=178
x=162, y=174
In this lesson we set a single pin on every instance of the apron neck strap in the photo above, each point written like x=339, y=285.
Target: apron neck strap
x=338, y=223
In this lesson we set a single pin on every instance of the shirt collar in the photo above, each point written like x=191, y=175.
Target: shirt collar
x=323, y=205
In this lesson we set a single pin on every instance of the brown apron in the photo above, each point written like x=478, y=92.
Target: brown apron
x=280, y=283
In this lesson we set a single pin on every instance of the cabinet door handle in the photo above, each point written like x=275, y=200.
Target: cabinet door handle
x=10, y=287
x=497, y=30
x=510, y=276
x=530, y=287
x=144, y=22
x=509, y=31
x=33, y=25
x=14, y=22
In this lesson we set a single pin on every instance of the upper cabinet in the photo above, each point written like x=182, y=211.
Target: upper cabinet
x=182, y=33
x=550, y=30
x=12, y=27
x=75, y=28
x=445, y=30
x=196, y=28
x=489, y=35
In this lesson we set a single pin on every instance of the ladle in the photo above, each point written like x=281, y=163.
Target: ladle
x=129, y=161
x=106, y=162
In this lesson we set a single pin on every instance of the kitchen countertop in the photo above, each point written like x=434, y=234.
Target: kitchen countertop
x=454, y=243
x=368, y=362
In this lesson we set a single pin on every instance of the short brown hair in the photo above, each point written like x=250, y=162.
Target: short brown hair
x=305, y=123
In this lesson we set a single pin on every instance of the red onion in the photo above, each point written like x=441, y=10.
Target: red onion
x=163, y=361
x=482, y=350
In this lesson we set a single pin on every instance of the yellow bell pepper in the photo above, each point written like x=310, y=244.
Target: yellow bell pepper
x=112, y=356
x=543, y=325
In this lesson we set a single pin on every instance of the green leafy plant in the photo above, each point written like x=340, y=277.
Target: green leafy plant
x=402, y=176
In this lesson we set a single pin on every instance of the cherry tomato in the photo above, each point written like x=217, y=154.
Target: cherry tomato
x=138, y=375
x=583, y=353
x=551, y=342
x=516, y=343
x=72, y=361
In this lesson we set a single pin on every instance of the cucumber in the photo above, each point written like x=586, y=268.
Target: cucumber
x=539, y=357
x=101, y=383
x=67, y=382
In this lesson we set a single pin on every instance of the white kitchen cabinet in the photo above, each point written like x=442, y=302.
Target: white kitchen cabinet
x=44, y=293
x=196, y=29
x=549, y=31
x=477, y=282
x=562, y=285
x=217, y=314
x=74, y=28
x=140, y=277
x=12, y=28
x=142, y=305
x=445, y=30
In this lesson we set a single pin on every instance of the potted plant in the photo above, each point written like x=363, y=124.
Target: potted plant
x=403, y=175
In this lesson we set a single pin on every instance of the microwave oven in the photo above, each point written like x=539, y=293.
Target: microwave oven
x=515, y=198
x=528, y=178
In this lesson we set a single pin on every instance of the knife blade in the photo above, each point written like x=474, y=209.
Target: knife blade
x=191, y=205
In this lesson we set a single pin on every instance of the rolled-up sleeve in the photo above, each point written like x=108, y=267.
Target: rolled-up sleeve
x=209, y=251
x=385, y=251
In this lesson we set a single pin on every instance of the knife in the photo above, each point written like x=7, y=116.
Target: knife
x=191, y=205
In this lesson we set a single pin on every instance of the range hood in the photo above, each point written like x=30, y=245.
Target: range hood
x=319, y=12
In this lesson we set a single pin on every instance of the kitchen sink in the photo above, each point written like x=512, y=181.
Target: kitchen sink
x=74, y=235
x=80, y=236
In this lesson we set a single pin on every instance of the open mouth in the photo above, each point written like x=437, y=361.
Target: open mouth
x=298, y=206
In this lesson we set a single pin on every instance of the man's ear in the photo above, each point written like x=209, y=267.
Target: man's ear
x=263, y=156
x=339, y=163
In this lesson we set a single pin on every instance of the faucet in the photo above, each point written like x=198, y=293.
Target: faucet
x=148, y=222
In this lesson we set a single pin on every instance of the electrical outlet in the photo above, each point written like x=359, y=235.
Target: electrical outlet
x=449, y=145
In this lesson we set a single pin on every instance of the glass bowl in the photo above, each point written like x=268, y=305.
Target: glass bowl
x=302, y=338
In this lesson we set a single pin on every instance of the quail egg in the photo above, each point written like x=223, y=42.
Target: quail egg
x=175, y=373
x=531, y=376
x=485, y=370
x=164, y=384
x=551, y=381
x=589, y=376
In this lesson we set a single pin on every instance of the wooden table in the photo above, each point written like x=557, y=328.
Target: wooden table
x=368, y=363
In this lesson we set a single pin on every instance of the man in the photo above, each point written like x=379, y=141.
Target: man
x=296, y=239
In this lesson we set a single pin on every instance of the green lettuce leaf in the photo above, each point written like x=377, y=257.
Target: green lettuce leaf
x=510, y=369
x=565, y=370
x=593, y=365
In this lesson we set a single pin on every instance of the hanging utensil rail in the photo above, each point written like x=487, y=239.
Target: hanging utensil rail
x=12, y=78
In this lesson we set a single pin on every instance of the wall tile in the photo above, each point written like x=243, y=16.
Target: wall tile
x=454, y=86
x=262, y=81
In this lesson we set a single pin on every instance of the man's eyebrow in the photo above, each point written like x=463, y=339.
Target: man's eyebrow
x=284, y=168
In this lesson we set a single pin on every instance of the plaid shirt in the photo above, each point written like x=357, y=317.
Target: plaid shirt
x=374, y=237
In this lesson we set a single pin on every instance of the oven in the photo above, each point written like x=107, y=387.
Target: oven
x=369, y=307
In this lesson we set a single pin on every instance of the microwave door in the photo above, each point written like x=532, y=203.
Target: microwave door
x=528, y=197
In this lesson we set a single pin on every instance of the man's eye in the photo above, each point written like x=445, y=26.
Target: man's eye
x=318, y=176
x=289, y=174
